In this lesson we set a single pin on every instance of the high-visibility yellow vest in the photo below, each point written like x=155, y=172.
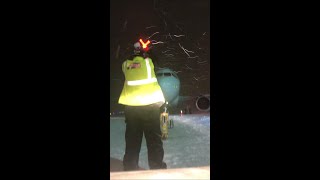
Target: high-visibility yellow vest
x=141, y=86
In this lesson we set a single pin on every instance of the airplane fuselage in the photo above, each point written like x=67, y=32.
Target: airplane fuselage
x=170, y=85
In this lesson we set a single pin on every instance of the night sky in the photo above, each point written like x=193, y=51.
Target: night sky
x=180, y=31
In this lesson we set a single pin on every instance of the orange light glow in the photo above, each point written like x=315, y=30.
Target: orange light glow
x=144, y=45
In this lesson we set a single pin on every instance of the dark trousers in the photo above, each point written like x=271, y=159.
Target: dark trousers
x=143, y=120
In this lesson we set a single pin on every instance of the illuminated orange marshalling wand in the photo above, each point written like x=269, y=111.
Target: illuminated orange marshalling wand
x=144, y=45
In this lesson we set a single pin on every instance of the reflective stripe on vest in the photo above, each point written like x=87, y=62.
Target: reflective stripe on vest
x=144, y=81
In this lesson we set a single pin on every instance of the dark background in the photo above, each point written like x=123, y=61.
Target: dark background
x=56, y=68
x=131, y=20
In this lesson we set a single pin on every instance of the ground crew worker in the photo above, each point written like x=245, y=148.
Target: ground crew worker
x=142, y=97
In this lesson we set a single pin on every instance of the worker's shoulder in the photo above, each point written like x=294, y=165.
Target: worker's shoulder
x=136, y=58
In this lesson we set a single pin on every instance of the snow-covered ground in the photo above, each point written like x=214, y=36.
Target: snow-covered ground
x=188, y=144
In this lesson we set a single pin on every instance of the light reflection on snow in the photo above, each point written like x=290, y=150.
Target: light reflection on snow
x=188, y=144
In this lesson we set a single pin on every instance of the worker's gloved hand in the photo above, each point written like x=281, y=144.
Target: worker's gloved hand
x=164, y=136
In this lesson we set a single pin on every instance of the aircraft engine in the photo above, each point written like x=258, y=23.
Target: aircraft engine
x=203, y=103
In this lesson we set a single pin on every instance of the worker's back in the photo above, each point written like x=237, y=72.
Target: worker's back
x=141, y=86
